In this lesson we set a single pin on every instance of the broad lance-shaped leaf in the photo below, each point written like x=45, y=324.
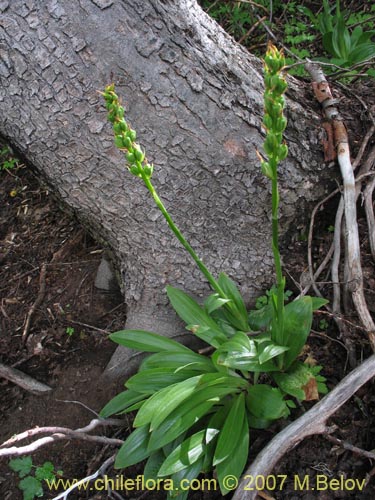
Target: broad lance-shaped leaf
x=163, y=402
x=235, y=463
x=151, y=381
x=153, y=465
x=191, y=450
x=241, y=353
x=230, y=433
x=213, y=302
x=146, y=341
x=240, y=319
x=121, y=402
x=184, y=476
x=298, y=317
x=175, y=361
x=188, y=413
x=134, y=449
x=195, y=316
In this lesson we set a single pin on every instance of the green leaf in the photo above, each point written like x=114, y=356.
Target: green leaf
x=146, y=341
x=163, y=402
x=318, y=302
x=46, y=471
x=241, y=353
x=297, y=377
x=31, y=488
x=341, y=39
x=186, y=415
x=21, y=465
x=187, y=453
x=212, y=389
x=150, y=381
x=230, y=433
x=175, y=361
x=134, y=449
x=231, y=291
x=213, y=302
x=260, y=319
x=186, y=475
x=120, y=402
x=269, y=351
x=266, y=402
x=235, y=464
x=363, y=52
x=153, y=465
x=200, y=322
x=297, y=325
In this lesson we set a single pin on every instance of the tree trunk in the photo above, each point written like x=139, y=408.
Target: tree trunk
x=195, y=98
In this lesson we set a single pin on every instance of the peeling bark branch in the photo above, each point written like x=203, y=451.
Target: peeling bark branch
x=310, y=423
x=354, y=282
x=57, y=433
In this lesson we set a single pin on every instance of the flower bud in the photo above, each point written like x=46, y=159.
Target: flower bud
x=267, y=121
x=120, y=112
x=271, y=143
x=119, y=142
x=280, y=124
x=126, y=141
x=138, y=154
x=282, y=152
x=148, y=169
x=131, y=158
x=135, y=170
x=132, y=134
x=266, y=169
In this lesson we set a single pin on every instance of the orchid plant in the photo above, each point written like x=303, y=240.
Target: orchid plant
x=194, y=412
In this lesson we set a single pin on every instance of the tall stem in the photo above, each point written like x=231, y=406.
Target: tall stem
x=277, y=259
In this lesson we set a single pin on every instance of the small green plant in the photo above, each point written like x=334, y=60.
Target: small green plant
x=7, y=162
x=32, y=477
x=323, y=324
x=347, y=47
x=69, y=331
x=193, y=411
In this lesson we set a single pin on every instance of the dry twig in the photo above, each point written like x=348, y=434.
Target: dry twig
x=38, y=301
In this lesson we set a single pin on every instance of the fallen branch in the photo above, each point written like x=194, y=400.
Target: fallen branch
x=56, y=434
x=25, y=381
x=310, y=423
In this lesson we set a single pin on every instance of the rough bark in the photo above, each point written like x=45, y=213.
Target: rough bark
x=195, y=98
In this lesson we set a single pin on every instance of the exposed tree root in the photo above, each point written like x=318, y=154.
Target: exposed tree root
x=353, y=270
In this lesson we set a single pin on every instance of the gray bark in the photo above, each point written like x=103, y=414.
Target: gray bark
x=195, y=98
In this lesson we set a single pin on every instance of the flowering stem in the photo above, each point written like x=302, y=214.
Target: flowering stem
x=275, y=122
x=138, y=166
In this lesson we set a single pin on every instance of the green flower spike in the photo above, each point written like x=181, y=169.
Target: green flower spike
x=276, y=150
x=139, y=166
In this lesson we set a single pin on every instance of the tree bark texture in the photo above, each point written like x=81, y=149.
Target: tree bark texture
x=195, y=98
